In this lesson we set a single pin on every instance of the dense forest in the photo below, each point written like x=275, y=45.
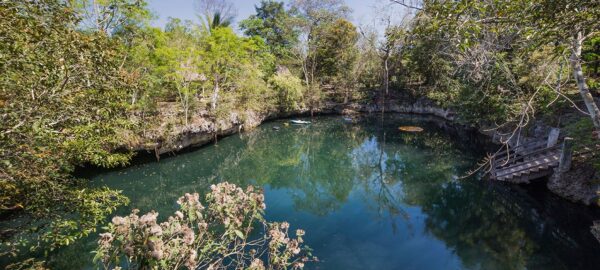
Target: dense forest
x=81, y=80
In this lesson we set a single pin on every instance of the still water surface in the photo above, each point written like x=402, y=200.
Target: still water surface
x=372, y=197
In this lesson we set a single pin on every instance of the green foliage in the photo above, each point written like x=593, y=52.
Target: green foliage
x=492, y=69
x=583, y=131
x=218, y=236
x=226, y=57
x=336, y=50
x=79, y=75
x=179, y=59
x=328, y=35
x=253, y=92
x=591, y=56
x=290, y=90
x=63, y=104
x=367, y=71
x=140, y=72
x=214, y=21
x=274, y=24
x=223, y=49
x=184, y=61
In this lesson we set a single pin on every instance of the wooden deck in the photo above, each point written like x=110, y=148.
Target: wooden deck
x=526, y=162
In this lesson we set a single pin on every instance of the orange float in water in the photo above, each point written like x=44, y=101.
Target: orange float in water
x=411, y=129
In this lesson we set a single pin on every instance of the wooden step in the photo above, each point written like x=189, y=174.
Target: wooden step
x=526, y=176
x=526, y=163
x=523, y=169
x=526, y=167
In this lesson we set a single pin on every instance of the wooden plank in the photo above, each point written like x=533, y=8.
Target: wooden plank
x=530, y=156
x=542, y=160
x=527, y=174
x=511, y=173
x=542, y=171
x=524, y=167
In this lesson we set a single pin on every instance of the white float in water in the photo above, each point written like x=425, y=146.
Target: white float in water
x=300, y=122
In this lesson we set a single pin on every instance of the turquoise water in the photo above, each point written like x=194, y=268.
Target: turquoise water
x=372, y=197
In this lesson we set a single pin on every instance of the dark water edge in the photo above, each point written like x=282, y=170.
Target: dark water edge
x=451, y=224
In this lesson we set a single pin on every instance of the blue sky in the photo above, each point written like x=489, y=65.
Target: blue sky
x=363, y=10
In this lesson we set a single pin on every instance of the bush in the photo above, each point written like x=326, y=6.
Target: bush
x=217, y=236
x=290, y=90
x=63, y=103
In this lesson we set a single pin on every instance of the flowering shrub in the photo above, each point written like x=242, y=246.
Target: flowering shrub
x=215, y=236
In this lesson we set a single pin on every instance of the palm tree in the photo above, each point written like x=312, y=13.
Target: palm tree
x=214, y=21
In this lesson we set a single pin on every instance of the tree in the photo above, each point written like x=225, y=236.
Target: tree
x=274, y=24
x=311, y=18
x=337, y=54
x=395, y=39
x=570, y=23
x=289, y=88
x=224, y=7
x=179, y=60
x=563, y=25
x=387, y=51
x=223, y=56
x=63, y=103
x=141, y=67
x=214, y=21
x=367, y=73
x=215, y=13
x=220, y=54
x=110, y=16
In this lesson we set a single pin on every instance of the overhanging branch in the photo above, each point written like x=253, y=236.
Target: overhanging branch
x=407, y=5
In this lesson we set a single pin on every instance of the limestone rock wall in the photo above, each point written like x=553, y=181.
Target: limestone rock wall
x=580, y=184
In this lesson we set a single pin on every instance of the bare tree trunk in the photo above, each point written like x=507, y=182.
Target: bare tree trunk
x=313, y=90
x=308, y=85
x=305, y=70
x=382, y=105
x=183, y=101
x=134, y=97
x=346, y=95
x=580, y=79
x=143, y=122
x=387, y=73
x=215, y=96
x=386, y=82
x=186, y=108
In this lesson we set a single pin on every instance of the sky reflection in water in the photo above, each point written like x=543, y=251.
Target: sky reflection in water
x=372, y=197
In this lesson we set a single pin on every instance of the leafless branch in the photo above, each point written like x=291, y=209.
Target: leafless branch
x=404, y=3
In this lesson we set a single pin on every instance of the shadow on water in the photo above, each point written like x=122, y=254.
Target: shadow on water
x=372, y=197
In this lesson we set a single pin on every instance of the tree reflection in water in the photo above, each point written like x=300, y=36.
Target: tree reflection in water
x=369, y=173
x=328, y=161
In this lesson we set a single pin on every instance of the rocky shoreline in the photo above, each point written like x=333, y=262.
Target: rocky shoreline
x=201, y=130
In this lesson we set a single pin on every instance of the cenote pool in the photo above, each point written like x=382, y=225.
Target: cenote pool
x=371, y=197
